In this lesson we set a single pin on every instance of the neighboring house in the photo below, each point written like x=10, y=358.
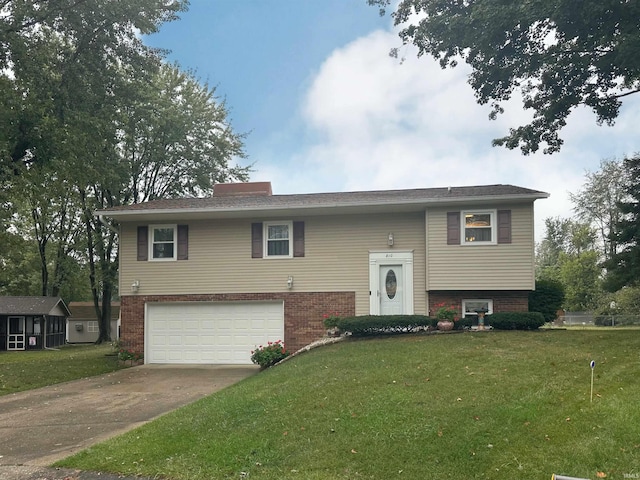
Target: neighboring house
x=32, y=323
x=83, y=327
x=205, y=280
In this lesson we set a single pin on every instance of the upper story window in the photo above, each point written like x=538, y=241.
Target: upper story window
x=163, y=240
x=278, y=239
x=479, y=226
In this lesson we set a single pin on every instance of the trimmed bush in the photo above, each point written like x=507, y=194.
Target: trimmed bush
x=384, y=324
x=547, y=298
x=515, y=320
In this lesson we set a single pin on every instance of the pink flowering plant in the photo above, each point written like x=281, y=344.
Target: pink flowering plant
x=446, y=312
x=269, y=355
x=331, y=319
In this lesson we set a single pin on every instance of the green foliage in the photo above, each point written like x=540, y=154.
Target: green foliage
x=126, y=354
x=562, y=236
x=580, y=276
x=623, y=268
x=516, y=320
x=384, y=324
x=547, y=299
x=270, y=354
x=556, y=58
x=407, y=407
x=91, y=118
x=446, y=312
x=21, y=371
x=597, y=202
x=330, y=320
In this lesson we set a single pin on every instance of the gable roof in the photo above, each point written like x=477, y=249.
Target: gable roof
x=31, y=305
x=320, y=203
x=87, y=311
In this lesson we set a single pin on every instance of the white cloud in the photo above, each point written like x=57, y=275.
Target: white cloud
x=379, y=123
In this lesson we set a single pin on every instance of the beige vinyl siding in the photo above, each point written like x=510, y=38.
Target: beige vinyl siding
x=481, y=267
x=336, y=258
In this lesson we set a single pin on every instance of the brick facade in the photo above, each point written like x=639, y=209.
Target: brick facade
x=503, y=301
x=303, y=313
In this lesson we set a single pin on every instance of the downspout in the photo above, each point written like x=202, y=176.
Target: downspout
x=106, y=224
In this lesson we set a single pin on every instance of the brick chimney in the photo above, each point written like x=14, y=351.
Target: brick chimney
x=242, y=189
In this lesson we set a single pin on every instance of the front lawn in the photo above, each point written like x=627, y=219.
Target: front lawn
x=29, y=369
x=496, y=405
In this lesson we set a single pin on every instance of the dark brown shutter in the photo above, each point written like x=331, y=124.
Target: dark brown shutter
x=453, y=228
x=256, y=240
x=183, y=242
x=504, y=226
x=143, y=243
x=298, y=239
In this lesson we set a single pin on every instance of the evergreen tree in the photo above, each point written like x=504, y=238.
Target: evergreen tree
x=623, y=269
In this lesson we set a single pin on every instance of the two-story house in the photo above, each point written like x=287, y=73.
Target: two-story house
x=206, y=280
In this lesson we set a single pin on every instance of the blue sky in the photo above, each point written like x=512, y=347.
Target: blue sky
x=327, y=109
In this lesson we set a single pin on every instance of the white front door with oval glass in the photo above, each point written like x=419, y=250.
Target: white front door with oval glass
x=391, y=283
x=391, y=290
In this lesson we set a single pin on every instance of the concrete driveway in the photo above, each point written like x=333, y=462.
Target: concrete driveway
x=39, y=427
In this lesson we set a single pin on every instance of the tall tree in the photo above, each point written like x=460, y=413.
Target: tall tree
x=580, y=276
x=48, y=212
x=59, y=56
x=597, y=202
x=558, y=55
x=623, y=268
x=173, y=139
x=563, y=236
x=67, y=67
x=176, y=140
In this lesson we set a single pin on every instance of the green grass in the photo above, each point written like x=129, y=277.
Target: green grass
x=30, y=369
x=495, y=405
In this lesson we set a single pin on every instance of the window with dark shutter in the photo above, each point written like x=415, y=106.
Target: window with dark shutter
x=183, y=242
x=143, y=243
x=453, y=228
x=256, y=240
x=504, y=226
x=298, y=239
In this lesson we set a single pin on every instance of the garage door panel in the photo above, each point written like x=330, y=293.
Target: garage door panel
x=203, y=332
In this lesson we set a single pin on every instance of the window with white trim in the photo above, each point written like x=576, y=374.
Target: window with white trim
x=471, y=307
x=162, y=242
x=92, y=327
x=479, y=227
x=278, y=239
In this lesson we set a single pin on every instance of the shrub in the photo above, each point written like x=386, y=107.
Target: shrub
x=384, y=324
x=125, y=353
x=547, y=298
x=466, y=322
x=516, y=320
x=269, y=355
x=331, y=320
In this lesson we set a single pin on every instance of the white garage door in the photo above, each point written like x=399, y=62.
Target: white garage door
x=210, y=333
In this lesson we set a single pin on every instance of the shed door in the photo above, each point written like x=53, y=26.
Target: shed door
x=15, y=337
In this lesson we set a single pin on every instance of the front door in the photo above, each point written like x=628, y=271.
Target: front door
x=391, y=290
x=15, y=337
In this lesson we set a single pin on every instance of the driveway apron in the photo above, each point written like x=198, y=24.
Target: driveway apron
x=39, y=427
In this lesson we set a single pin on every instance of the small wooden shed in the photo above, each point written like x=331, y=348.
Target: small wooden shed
x=83, y=323
x=32, y=323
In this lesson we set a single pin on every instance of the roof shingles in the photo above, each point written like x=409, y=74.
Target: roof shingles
x=240, y=202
